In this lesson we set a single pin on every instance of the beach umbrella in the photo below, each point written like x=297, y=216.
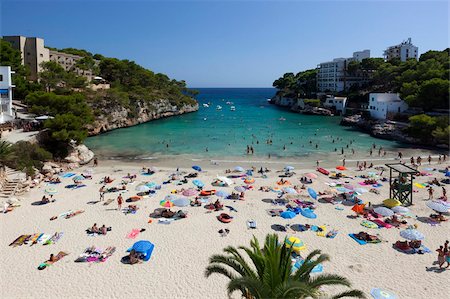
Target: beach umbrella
x=225, y=180
x=437, y=206
x=289, y=190
x=240, y=188
x=295, y=243
x=287, y=215
x=239, y=169
x=447, y=173
x=151, y=185
x=222, y=193
x=182, y=202
x=78, y=178
x=311, y=175
x=445, y=203
x=400, y=210
x=198, y=183
x=312, y=193
x=249, y=180
x=342, y=189
x=361, y=190
x=289, y=168
x=308, y=213
x=383, y=211
x=196, y=167
x=170, y=197
x=189, y=192
x=358, y=209
x=382, y=294
x=348, y=186
x=142, y=246
x=412, y=234
x=142, y=188
x=166, y=203
x=51, y=191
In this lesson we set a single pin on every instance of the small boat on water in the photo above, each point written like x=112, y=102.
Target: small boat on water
x=282, y=118
x=206, y=105
x=229, y=103
x=232, y=108
x=219, y=107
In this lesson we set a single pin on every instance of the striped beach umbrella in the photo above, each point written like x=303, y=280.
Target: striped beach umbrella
x=400, y=210
x=437, y=206
x=166, y=203
x=295, y=243
x=383, y=211
x=51, y=191
x=412, y=234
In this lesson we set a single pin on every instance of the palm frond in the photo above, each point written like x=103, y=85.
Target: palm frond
x=218, y=269
x=351, y=293
x=329, y=279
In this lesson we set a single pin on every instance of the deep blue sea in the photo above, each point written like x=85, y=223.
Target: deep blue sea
x=225, y=133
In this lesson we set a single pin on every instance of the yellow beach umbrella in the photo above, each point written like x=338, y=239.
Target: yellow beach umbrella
x=295, y=243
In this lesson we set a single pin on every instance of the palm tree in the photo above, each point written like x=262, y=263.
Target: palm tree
x=6, y=152
x=271, y=274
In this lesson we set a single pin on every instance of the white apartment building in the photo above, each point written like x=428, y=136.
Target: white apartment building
x=332, y=76
x=6, y=87
x=405, y=50
x=32, y=50
x=336, y=103
x=385, y=105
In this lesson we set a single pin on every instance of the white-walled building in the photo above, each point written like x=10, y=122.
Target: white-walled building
x=385, y=105
x=336, y=103
x=405, y=50
x=6, y=86
x=331, y=75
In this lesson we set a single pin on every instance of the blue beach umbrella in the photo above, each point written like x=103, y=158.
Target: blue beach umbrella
x=312, y=193
x=382, y=294
x=447, y=173
x=196, y=167
x=289, y=168
x=412, y=234
x=142, y=188
x=198, y=183
x=142, y=246
x=78, y=178
x=222, y=193
x=151, y=185
x=287, y=215
x=239, y=169
x=308, y=213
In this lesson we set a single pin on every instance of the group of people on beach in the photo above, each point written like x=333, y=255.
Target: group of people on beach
x=443, y=255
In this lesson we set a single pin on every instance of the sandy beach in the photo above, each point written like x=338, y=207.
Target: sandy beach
x=182, y=248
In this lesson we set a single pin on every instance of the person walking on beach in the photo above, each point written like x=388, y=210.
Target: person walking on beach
x=430, y=193
x=429, y=159
x=119, y=202
x=441, y=256
x=412, y=160
x=400, y=155
x=317, y=163
x=95, y=162
x=444, y=193
x=343, y=162
x=102, y=193
x=419, y=161
x=447, y=253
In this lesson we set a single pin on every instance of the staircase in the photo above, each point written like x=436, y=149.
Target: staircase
x=10, y=182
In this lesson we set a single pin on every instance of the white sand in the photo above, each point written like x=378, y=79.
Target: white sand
x=182, y=249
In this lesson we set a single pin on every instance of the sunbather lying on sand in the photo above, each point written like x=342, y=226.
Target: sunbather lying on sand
x=366, y=237
x=438, y=217
x=134, y=257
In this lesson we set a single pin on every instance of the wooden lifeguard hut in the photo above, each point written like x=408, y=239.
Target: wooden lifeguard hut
x=401, y=178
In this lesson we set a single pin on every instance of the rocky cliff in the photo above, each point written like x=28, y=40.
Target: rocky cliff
x=110, y=117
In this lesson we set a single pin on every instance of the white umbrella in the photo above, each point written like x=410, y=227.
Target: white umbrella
x=226, y=180
x=400, y=210
x=142, y=188
x=383, y=211
x=437, y=206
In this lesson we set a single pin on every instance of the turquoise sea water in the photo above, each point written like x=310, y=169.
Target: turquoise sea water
x=226, y=133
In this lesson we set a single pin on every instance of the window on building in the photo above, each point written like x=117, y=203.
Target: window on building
x=42, y=55
x=28, y=53
x=1, y=77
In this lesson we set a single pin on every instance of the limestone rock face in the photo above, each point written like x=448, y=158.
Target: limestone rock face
x=80, y=155
x=114, y=117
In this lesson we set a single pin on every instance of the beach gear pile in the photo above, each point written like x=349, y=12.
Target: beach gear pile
x=95, y=254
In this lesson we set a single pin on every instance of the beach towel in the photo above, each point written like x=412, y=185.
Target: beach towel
x=165, y=221
x=333, y=233
x=369, y=224
x=299, y=263
x=53, y=239
x=322, y=231
x=134, y=233
x=360, y=242
x=46, y=264
x=19, y=241
x=67, y=174
x=381, y=223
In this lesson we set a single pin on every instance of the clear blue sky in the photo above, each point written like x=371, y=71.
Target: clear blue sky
x=229, y=43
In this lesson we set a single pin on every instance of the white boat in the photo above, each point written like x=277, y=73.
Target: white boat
x=229, y=103
x=281, y=118
x=219, y=107
x=206, y=105
x=232, y=108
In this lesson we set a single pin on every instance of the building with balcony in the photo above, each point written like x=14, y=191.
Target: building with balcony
x=6, y=87
x=332, y=76
x=336, y=103
x=404, y=51
x=33, y=52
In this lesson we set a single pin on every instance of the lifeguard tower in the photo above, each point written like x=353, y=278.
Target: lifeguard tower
x=401, y=179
